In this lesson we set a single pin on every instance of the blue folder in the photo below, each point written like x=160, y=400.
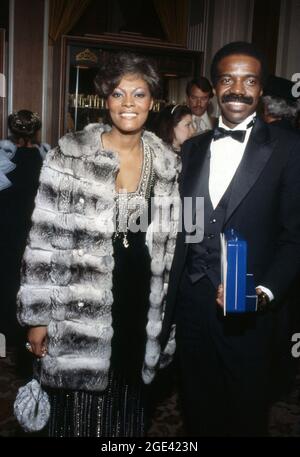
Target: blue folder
x=239, y=287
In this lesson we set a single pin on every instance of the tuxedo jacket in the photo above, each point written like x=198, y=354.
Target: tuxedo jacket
x=264, y=208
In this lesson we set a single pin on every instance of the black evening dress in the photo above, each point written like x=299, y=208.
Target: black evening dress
x=119, y=411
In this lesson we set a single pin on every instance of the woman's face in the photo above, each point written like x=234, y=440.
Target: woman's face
x=129, y=104
x=183, y=131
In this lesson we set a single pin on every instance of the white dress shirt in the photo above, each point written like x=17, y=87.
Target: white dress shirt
x=226, y=155
x=202, y=123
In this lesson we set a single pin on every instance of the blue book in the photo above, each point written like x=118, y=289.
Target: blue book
x=239, y=288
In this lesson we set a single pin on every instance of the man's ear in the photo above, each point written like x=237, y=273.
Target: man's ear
x=151, y=104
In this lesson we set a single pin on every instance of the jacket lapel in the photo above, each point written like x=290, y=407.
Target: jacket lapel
x=191, y=182
x=256, y=155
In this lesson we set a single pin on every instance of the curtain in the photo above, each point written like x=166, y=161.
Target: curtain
x=173, y=15
x=63, y=15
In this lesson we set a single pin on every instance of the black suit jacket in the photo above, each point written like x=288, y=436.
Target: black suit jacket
x=264, y=207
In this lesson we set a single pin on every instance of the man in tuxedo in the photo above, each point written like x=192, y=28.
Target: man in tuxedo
x=249, y=175
x=198, y=95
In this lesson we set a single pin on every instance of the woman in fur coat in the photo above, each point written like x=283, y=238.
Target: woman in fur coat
x=95, y=270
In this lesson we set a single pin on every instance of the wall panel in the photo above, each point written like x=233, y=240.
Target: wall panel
x=28, y=55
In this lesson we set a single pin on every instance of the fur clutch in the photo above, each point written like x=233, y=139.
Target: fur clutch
x=32, y=407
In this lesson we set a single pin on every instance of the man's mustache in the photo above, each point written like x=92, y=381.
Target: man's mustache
x=237, y=98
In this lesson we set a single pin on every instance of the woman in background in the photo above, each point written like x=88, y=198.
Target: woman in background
x=92, y=291
x=174, y=126
x=21, y=158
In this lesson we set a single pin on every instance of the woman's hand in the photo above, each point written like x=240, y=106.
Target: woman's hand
x=37, y=337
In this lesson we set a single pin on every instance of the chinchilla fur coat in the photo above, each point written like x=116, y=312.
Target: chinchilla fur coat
x=67, y=266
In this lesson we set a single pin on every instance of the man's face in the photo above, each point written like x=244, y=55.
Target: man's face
x=198, y=101
x=238, y=87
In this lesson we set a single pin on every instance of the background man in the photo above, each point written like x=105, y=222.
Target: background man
x=198, y=94
x=249, y=175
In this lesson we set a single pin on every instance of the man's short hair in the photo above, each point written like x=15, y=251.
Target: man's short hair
x=238, y=47
x=202, y=83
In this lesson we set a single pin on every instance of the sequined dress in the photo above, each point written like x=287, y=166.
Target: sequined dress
x=121, y=409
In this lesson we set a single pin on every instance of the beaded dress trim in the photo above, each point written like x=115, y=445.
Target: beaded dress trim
x=117, y=412
x=132, y=205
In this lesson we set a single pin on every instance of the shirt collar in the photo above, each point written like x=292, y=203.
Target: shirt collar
x=204, y=117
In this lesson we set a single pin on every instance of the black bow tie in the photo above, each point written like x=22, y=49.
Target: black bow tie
x=238, y=135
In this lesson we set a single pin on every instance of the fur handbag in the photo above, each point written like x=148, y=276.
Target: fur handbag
x=32, y=407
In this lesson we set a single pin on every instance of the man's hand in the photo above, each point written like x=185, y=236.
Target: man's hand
x=37, y=338
x=220, y=296
x=263, y=300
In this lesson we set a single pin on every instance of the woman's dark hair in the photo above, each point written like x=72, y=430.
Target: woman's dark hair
x=167, y=119
x=24, y=124
x=238, y=47
x=118, y=65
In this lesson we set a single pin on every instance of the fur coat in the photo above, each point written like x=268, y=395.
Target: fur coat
x=67, y=266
